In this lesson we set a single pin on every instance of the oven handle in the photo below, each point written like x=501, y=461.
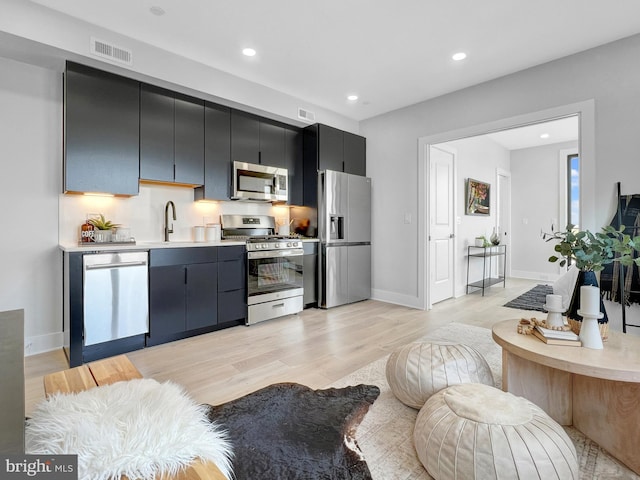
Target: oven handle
x=295, y=252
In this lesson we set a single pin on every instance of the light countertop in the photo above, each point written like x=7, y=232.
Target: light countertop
x=103, y=247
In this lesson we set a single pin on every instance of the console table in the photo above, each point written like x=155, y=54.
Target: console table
x=489, y=276
x=596, y=391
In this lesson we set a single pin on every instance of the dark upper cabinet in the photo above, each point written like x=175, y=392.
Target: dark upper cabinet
x=257, y=140
x=355, y=154
x=189, y=140
x=327, y=148
x=171, y=136
x=217, y=154
x=101, y=132
x=245, y=137
x=294, y=163
x=156, y=133
x=272, y=145
x=330, y=148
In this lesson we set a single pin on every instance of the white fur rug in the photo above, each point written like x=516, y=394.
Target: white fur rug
x=139, y=428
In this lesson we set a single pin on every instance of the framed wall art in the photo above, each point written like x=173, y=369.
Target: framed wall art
x=477, y=199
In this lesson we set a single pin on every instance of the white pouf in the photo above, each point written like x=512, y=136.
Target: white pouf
x=418, y=370
x=477, y=431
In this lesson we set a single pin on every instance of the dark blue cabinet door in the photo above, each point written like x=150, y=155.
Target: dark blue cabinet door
x=189, y=140
x=101, y=132
x=156, y=133
x=167, y=300
x=202, y=295
x=217, y=154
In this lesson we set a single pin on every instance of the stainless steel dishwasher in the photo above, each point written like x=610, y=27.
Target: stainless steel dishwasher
x=115, y=290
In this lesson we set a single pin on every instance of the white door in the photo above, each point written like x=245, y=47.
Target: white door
x=441, y=224
x=503, y=220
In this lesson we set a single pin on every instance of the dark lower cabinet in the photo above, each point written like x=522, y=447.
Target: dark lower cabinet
x=183, y=292
x=232, y=284
x=202, y=295
x=195, y=290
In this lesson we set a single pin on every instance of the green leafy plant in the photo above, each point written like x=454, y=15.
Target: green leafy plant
x=101, y=223
x=592, y=251
x=485, y=243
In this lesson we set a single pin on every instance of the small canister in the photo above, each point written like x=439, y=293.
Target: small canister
x=213, y=232
x=198, y=234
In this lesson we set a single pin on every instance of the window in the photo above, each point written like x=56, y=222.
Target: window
x=573, y=189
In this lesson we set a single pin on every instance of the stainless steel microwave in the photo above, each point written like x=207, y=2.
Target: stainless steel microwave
x=253, y=182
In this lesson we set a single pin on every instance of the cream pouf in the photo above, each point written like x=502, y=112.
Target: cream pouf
x=418, y=370
x=476, y=431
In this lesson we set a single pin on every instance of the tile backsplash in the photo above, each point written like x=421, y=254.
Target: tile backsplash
x=144, y=213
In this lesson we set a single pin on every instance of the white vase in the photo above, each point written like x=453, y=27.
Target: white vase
x=590, y=332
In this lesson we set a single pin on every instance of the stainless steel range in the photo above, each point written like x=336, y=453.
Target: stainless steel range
x=274, y=266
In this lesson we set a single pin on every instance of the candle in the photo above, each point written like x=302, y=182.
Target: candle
x=590, y=300
x=554, y=302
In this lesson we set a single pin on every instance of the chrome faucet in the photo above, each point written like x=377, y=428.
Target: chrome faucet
x=168, y=230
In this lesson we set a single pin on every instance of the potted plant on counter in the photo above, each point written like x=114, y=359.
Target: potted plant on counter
x=102, y=228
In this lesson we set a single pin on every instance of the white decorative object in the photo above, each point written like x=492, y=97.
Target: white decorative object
x=554, y=309
x=138, y=428
x=590, y=312
x=476, y=431
x=590, y=330
x=418, y=370
x=589, y=300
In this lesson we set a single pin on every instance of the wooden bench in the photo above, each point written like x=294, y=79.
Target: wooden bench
x=111, y=370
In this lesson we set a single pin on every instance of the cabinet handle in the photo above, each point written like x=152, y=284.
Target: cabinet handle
x=185, y=274
x=277, y=305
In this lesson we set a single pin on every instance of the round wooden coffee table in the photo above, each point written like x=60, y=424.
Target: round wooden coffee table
x=597, y=391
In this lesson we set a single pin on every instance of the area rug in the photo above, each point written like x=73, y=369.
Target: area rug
x=289, y=431
x=385, y=436
x=534, y=299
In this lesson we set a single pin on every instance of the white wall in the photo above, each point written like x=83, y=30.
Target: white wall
x=536, y=203
x=144, y=213
x=31, y=157
x=604, y=74
x=476, y=158
x=35, y=34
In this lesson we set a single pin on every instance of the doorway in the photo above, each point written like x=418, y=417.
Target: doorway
x=585, y=111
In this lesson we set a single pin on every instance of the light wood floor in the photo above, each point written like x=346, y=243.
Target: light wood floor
x=315, y=347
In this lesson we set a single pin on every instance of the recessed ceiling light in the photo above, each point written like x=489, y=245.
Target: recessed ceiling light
x=249, y=52
x=156, y=10
x=459, y=56
x=352, y=98
x=544, y=135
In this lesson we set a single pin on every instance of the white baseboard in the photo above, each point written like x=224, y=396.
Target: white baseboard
x=543, y=277
x=42, y=343
x=396, y=298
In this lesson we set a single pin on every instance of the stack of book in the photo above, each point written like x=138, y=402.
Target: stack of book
x=557, y=337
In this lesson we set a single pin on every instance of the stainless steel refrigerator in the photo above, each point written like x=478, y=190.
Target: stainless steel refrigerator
x=344, y=231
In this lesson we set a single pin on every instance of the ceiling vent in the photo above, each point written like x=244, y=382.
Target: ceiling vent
x=306, y=115
x=111, y=52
